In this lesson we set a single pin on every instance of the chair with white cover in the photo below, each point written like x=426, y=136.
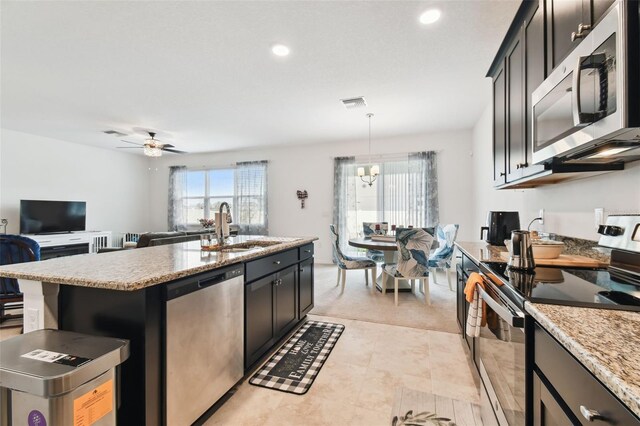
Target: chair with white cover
x=349, y=262
x=442, y=256
x=414, y=245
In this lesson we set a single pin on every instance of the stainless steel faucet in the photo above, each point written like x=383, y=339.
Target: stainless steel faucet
x=220, y=236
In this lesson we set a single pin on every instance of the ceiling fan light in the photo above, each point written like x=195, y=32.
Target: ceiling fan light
x=152, y=151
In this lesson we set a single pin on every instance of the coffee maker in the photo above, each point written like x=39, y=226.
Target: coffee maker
x=499, y=227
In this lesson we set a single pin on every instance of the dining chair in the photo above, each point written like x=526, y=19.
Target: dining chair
x=442, y=256
x=14, y=249
x=369, y=229
x=413, y=261
x=349, y=262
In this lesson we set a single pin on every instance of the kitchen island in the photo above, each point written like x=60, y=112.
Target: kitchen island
x=125, y=294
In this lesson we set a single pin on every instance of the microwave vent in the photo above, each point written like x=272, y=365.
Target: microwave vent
x=352, y=103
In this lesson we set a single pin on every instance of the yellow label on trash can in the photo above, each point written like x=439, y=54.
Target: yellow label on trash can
x=93, y=405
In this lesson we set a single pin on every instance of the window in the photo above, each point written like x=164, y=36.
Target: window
x=206, y=190
x=199, y=194
x=404, y=193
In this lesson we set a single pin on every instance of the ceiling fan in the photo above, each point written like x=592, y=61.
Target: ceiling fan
x=152, y=147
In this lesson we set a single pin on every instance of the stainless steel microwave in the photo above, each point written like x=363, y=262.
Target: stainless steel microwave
x=587, y=110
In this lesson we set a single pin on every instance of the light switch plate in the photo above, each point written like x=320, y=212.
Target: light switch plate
x=541, y=216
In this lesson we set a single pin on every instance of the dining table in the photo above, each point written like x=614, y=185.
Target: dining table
x=390, y=251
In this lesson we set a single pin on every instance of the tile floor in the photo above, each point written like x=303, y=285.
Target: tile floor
x=358, y=383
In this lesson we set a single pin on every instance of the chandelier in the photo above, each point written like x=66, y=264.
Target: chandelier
x=368, y=174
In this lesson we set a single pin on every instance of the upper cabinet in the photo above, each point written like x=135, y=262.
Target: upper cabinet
x=520, y=69
x=540, y=37
x=568, y=22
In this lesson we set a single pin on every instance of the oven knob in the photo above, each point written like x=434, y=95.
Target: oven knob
x=613, y=231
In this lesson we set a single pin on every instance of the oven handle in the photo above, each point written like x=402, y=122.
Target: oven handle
x=513, y=320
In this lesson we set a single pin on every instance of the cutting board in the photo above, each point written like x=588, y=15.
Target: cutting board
x=570, y=260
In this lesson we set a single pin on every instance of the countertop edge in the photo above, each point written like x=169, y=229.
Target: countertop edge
x=142, y=284
x=612, y=382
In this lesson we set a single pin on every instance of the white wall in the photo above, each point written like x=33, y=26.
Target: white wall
x=569, y=206
x=310, y=167
x=113, y=184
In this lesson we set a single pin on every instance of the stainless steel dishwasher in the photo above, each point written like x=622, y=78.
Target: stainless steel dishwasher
x=204, y=342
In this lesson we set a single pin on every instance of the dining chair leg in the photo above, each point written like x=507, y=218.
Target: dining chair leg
x=427, y=296
x=413, y=286
x=344, y=279
x=449, y=278
x=421, y=286
x=373, y=280
x=384, y=283
x=366, y=277
x=434, y=272
x=338, y=281
x=395, y=291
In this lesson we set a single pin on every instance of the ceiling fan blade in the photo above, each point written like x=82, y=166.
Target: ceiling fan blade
x=167, y=145
x=129, y=147
x=134, y=143
x=175, y=151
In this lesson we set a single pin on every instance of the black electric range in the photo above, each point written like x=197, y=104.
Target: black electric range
x=564, y=286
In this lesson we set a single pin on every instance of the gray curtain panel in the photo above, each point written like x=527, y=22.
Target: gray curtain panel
x=344, y=199
x=433, y=207
x=423, y=187
x=176, y=214
x=250, y=209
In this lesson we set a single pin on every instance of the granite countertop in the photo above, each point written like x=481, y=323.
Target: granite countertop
x=605, y=341
x=135, y=269
x=480, y=251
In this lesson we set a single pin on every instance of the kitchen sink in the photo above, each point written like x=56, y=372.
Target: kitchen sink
x=243, y=247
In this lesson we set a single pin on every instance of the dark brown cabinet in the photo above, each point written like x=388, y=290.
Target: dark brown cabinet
x=547, y=410
x=565, y=392
x=517, y=71
x=305, y=288
x=516, y=149
x=278, y=294
x=534, y=76
x=499, y=128
x=259, y=298
x=568, y=21
x=286, y=295
x=270, y=311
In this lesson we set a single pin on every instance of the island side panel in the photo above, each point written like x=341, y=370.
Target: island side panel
x=133, y=315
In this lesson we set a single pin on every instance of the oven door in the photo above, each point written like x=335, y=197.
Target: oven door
x=501, y=349
x=584, y=99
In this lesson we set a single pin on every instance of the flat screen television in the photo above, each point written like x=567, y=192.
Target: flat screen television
x=43, y=217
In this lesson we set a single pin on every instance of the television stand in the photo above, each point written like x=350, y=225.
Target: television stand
x=67, y=244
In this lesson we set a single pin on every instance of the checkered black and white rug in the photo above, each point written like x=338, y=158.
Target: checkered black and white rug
x=294, y=367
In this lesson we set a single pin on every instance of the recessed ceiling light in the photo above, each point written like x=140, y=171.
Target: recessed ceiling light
x=430, y=16
x=280, y=50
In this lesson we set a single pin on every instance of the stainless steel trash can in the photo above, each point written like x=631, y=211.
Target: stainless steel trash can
x=53, y=377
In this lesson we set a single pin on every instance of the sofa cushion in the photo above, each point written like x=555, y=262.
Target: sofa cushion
x=144, y=239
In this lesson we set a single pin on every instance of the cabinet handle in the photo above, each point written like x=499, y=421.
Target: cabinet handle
x=582, y=28
x=307, y=251
x=522, y=165
x=503, y=173
x=277, y=262
x=590, y=415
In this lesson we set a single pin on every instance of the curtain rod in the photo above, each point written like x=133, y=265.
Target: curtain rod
x=386, y=156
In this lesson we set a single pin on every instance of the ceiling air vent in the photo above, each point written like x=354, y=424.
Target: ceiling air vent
x=115, y=133
x=352, y=103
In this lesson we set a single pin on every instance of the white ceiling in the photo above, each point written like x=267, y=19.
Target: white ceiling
x=203, y=73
